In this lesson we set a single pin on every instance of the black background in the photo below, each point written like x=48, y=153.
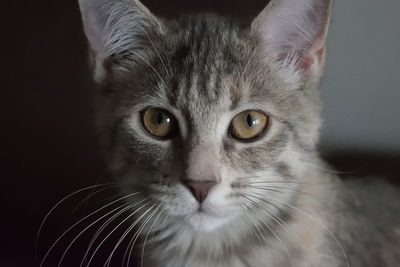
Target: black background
x=48, y=145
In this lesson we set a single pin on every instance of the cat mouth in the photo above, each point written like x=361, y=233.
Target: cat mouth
x=205, y=211
x=201, y=211
x=205, y=221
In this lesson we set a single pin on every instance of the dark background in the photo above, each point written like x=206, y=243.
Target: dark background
x=48, y=145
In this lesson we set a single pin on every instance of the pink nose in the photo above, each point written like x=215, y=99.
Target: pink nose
x=199, y=189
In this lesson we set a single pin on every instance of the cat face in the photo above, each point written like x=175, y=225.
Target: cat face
x=209, y=124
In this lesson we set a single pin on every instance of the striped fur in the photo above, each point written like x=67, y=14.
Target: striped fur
x=276, y=205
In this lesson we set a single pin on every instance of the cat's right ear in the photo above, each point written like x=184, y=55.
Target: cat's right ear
x=115, y=27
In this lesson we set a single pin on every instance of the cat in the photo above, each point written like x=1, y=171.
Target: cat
x=210, y=128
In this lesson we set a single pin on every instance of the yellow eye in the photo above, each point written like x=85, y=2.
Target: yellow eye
x=159, y=123
x=248, y=125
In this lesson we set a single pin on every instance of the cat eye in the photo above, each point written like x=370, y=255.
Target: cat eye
x=159, y=123
x=248, y=125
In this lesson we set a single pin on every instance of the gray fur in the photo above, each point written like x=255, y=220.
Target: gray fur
x=276, y=204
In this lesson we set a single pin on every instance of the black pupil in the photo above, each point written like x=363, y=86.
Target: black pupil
x=250, y=120
x=160, y=118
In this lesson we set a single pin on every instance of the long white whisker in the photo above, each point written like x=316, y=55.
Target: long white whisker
x=162, y=224
x=137, y=234
x=261, y=236
x=147, y=235
x=105, y=225
x=121, y=223
x=278, y=220
x=86, y=199
x=267, y=188
x=272, y=231
x=126, y=233
x=68, y=197
x=57, y=205
x=247, y=66
x=83, y=219
x=151, y=66
x=123, y=208
x=269, y=203
x=130, y=228
x=318, y=222
x=334, y=171
x=158, y=54
x=284, y=182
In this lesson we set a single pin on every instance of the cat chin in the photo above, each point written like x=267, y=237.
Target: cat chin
x=205, y=222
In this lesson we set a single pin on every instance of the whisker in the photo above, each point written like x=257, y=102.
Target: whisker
x=272, y=231
x=56, y=206
x=261, y=236
x=318, y=222
x=161, y=225
x=83, y=219
x=283, y=182
x=278, y=220
x=147, y=236
x=86, y=199
x=117, y=227
x=267, y=188
x=138, y=232
x=98, y=232
x=133, y=240
x=105, y=225
x=158, y=54
x=336, y=171
x=124, y=207
x=120, y=240
x=115, y=184
x=151, y=66
x=247, y=65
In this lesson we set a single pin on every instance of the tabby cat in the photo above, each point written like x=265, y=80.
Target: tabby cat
x=210, y=129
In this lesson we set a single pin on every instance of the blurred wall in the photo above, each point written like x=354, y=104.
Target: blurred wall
x=361, y=89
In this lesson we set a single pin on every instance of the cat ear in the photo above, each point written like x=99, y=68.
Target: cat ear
x=116, y=26
x=293, y=32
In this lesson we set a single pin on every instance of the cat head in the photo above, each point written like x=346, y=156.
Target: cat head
x=206, y=120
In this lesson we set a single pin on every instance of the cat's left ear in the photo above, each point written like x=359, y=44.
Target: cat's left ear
x=293, y=33
x=114, y=27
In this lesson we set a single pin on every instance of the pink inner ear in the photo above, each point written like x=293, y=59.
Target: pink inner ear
x=307, y=62
x=320, y=54
x=309, y=59
x=315, y=54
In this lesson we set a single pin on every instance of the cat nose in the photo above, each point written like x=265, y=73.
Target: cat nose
x=199, y=189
